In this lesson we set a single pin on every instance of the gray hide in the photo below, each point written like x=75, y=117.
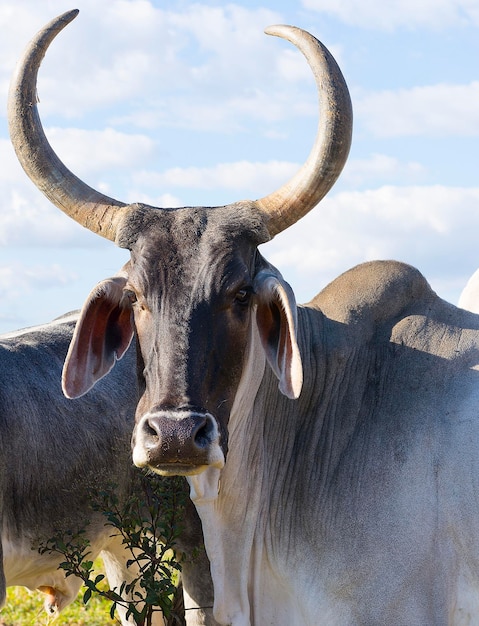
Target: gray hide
x=54, y=451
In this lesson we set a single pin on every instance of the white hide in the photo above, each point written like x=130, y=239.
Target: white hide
x=469, y=298
x=365, y=511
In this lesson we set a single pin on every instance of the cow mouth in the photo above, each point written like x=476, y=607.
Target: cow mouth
x=184, y=467
x=177, y=469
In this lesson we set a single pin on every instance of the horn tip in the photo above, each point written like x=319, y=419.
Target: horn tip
x=58, y=23
x=277, y=29
x=71, y=15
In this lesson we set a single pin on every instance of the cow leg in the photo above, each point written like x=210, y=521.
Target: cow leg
x=198, y=590
x=195, y=570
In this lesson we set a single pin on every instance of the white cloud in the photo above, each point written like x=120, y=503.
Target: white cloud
x=259, y=178
x=203, y=67
x=21, y=278
x=11, y=171
x=42, y=286
x=380, y=168
x=202, y=111
x=377, y=14
x=149, y=53
x=433, y=228
x=243, y=175
x=226, y=29
x=86, y=151
x=28, y=219
x=292, y=67
x=93, y=67
x=18, y=279
x=436, y=110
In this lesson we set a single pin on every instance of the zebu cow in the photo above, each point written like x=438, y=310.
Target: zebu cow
x=54, y=453
x=350, y=496
x=469, y=298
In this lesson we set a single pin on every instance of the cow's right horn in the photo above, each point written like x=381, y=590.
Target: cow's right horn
x=312, y=182
x=91, y=209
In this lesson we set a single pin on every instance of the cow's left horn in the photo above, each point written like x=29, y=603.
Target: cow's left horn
x=311, y=183
x=91, y=209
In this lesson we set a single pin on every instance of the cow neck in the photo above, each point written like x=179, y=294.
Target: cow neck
x=229, y=509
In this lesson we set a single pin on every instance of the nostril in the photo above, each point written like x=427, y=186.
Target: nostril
x=149, y=427
x=203, y=434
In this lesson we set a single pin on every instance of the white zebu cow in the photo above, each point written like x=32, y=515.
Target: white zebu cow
x=53, y=453
x=469, y=298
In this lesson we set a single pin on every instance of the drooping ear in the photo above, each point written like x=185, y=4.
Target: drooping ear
x=276, y=318
x=102, y=335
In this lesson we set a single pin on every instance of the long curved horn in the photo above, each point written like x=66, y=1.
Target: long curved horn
x=311, y=183
x=91, y=209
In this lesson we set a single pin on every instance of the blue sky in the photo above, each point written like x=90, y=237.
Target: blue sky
x=189, y=103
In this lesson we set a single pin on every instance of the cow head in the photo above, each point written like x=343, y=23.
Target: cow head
x=197, y=294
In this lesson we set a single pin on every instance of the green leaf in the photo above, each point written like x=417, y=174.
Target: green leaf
x=112, y=610
x=86, y=596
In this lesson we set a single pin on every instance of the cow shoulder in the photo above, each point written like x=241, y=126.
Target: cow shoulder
x=373, y=292
x=393, y=302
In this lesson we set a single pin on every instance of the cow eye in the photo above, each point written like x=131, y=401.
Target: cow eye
x=130, y=295
x=243, y=296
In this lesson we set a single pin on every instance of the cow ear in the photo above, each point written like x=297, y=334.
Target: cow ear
x=102, y=335
x=277, y=321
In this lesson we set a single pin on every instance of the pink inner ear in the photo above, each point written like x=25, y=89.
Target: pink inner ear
x=102, y=335
x=276, y=316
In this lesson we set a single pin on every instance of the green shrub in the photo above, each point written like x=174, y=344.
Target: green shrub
x=149, y=522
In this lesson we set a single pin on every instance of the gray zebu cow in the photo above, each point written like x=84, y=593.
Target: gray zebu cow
x=356, y=503
x=54, y=452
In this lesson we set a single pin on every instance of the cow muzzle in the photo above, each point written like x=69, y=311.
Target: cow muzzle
x=177, y=442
